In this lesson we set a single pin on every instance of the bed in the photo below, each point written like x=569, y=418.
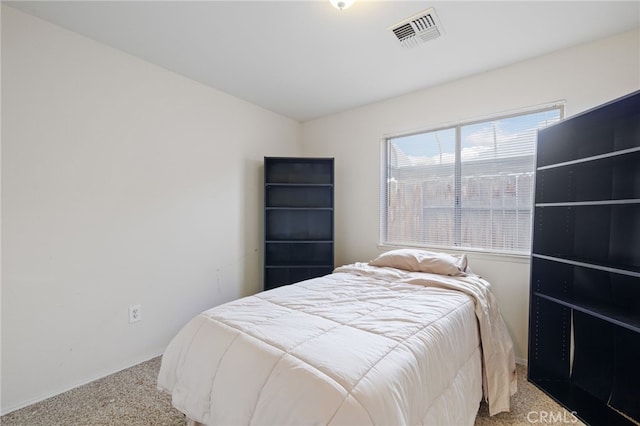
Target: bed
x=412, y=337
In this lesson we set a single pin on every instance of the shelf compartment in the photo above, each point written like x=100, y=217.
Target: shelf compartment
x=626, y=372
x=628, y=321
x=275, y=277
x=633, y=272
x=603, y=234
x=306, y=253
x=583, y=405
x=607, y=366
x=615, y=177
x=549, y=340
x=604, y=367
x=299, y=170
x=298, y=196
x=593, y=358
x=613, y=128
x=612, y=297
x=299, y=224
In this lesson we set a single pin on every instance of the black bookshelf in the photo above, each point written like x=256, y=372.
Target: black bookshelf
x=299, y=219
x=584, y=315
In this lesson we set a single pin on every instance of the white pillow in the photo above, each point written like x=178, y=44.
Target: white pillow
x=415, y=260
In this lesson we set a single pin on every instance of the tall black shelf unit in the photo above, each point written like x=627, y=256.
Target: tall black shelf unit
x=584, y=317
x=299, y=219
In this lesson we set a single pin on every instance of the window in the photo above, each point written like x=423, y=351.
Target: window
x=468, y=186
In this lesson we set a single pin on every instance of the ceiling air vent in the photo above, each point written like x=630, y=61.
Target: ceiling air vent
x=418, y=29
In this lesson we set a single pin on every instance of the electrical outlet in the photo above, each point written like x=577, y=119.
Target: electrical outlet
x=135, y=313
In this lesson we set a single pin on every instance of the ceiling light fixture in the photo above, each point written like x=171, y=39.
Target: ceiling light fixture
x=342, y=4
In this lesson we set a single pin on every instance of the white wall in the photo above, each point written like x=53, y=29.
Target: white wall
x=584, y=76
x=122, y=184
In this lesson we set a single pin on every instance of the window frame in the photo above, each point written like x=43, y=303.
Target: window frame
x=457, y=205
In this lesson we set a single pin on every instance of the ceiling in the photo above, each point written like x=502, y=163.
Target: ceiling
x=306, y=59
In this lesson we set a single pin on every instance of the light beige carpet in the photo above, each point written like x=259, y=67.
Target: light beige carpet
x=130, y=397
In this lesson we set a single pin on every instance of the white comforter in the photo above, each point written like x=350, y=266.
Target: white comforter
x=363, y=345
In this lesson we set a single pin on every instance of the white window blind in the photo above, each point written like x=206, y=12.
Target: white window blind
x=468, y=186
